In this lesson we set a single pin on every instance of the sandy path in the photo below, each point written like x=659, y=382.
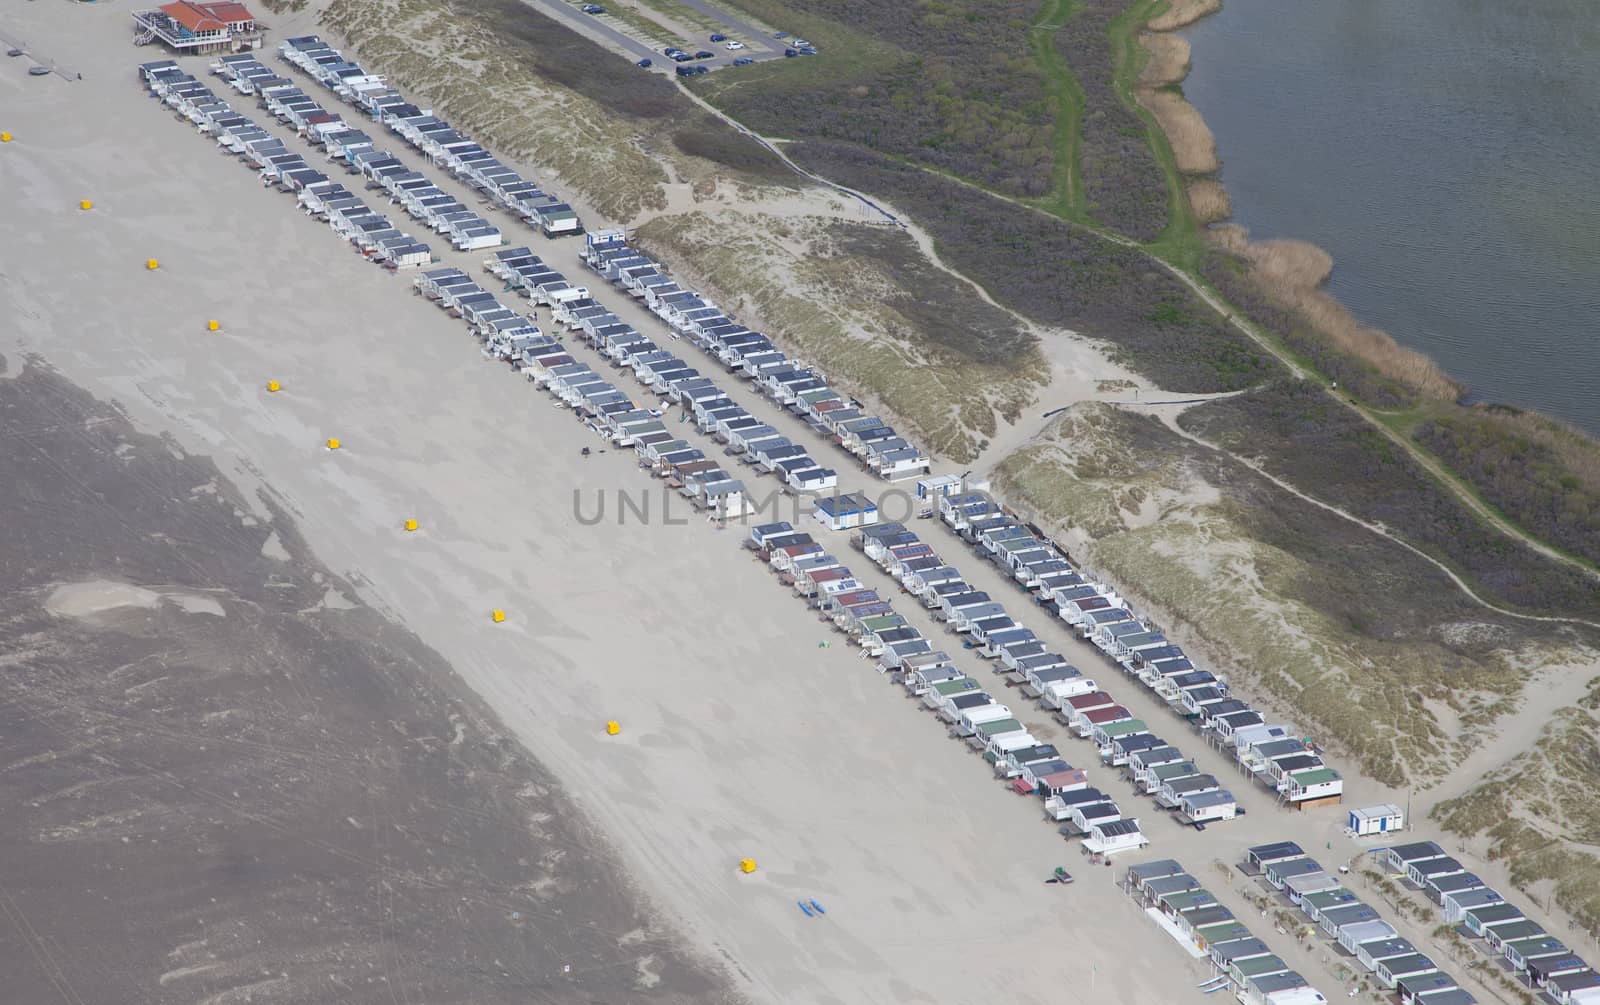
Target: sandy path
x=740, y=736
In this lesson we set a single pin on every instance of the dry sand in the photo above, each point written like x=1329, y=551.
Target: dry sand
x=740, y=736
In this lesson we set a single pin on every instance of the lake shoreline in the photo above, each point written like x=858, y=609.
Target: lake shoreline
x=1302, y=287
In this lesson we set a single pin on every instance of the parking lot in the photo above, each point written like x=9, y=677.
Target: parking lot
x=699, y=34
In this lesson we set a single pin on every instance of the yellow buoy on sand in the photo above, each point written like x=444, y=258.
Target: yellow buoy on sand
x=152, y=264
x=213, y=325
x=273, y=385
x=85, y=204
x=5, y=137
x=499, y=615
x=411, y=525
x=613, y=728
x=747, y=865
x=333, y=443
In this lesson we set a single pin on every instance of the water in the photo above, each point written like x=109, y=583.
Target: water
x=1447, y=155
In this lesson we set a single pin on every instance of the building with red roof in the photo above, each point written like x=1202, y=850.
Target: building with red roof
x=189, y=27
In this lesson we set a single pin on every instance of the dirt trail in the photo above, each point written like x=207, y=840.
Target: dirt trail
x=1228, y=312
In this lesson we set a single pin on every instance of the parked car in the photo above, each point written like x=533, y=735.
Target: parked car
x=593, y=8
x=790, y=52
x=670, y=51
x=719, y=38
x=689, y=71
x=780, y=34
x=734, y=46
x=644, y=64
x=800, y=43
x=743, y=61
x=704, y=54
x=681, y=57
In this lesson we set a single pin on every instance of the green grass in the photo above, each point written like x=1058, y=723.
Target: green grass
x=1182, y=243
x=1066, y=199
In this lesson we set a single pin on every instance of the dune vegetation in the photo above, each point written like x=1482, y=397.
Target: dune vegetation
x=1538, y=472
x=862, y=302
x=1356, y=638
x=1538, y=813
x=1297, y=432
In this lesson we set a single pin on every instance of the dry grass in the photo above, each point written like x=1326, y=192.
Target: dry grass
x=1183, y=12
x=1209, y=200
x=1292, y=273
x=1168, y=61
x=1193, y=146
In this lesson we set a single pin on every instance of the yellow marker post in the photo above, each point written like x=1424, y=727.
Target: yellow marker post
x=499, y=615
x=411, y=525
x=152, y=264
x=85, y=204
x=333, y=443
x=747, y=865
x=613, y=728
x=213, y=325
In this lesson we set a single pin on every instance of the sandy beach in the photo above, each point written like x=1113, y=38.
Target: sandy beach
x=741, y=736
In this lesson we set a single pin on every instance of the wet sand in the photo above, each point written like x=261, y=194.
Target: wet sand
x=219, y=787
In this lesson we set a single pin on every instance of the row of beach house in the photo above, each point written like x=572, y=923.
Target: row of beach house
x=370, y=231
x=792, y=385
x=969, y=712
x=443, y=145
x=799, y=389
x=1539, y=961
x=1355, y=926
x=508, y=334
x=503, y=331
x=1270, y=753
x=423, y=200
x=1122, y=739
x=1191, y=913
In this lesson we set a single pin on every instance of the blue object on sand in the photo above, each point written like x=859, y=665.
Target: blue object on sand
x=817, y=907
x=804, y=908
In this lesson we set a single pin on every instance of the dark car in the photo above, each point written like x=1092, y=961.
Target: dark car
x=681, y=57
x=670, y=51
x=790, y=52
x=593, y=8
x=743, y=61
x=689, y=71
x=719, y=38
x=644, y=64
x=703, y=54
